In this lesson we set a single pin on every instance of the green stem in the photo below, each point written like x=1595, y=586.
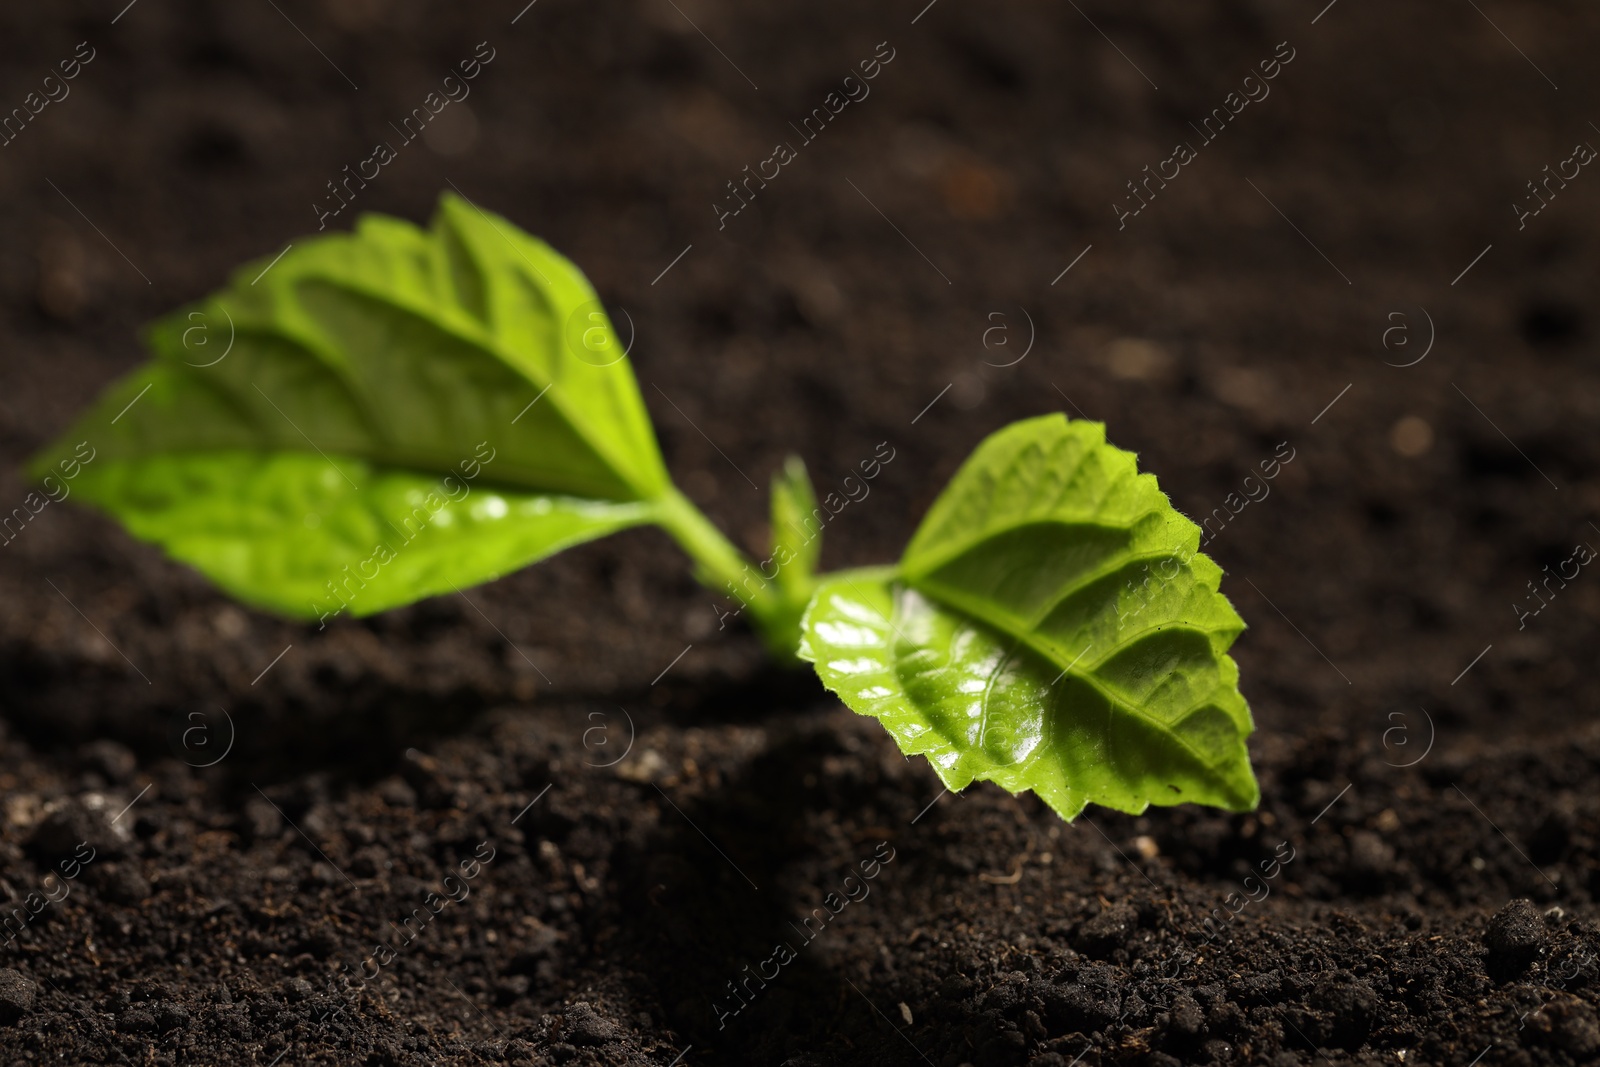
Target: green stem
x=720, y=566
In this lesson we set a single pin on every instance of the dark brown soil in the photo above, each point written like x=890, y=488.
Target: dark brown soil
x=1427, y=852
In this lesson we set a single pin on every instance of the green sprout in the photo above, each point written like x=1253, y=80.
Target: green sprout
x=394, y=414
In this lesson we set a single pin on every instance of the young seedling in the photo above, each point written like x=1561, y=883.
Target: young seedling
x=396, y=413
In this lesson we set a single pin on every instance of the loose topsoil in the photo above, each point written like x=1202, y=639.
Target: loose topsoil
x=633, y=810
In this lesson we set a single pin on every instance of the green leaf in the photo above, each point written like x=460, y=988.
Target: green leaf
x=797, y=524
x=796, y=531
x=291, y=533
x=380, y=361
x=1052, y=626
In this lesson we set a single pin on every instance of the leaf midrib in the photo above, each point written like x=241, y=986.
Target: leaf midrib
x=1115, y=700
x=450, y=322
x=927, y=561
x=483, y=483
x=995, y=482
x=1078, y=584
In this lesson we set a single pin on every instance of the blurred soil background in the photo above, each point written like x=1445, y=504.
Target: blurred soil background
x=1354, y=272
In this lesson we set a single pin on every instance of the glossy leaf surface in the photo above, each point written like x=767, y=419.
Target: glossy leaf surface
x=294, y=534
x=796, y=531
x=1052, y=627
x=284, y=420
